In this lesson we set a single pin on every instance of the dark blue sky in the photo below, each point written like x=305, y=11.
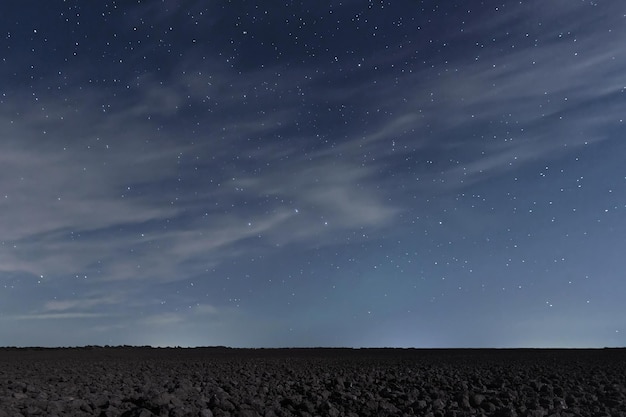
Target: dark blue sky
x=374, y=173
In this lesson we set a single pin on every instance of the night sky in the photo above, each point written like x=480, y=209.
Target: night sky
x=346, y=173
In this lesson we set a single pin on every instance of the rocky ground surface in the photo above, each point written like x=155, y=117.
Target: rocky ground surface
x=205, y=382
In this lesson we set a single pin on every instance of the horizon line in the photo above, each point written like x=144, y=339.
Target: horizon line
x=126, y=346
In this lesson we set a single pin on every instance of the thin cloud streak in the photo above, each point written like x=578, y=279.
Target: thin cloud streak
x=80, y=304
x=56, y=316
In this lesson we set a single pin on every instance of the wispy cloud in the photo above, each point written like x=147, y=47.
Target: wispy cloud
x=86, y=307
x=80, y=304
x=94, y=205
x=55, y=316
x=530, y=92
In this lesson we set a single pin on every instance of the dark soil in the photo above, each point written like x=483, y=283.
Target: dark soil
x=125, y=381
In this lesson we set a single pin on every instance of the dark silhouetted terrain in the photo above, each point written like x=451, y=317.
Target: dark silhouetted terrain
x=143, y=381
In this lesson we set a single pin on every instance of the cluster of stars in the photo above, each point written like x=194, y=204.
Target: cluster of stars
x=297, y=167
